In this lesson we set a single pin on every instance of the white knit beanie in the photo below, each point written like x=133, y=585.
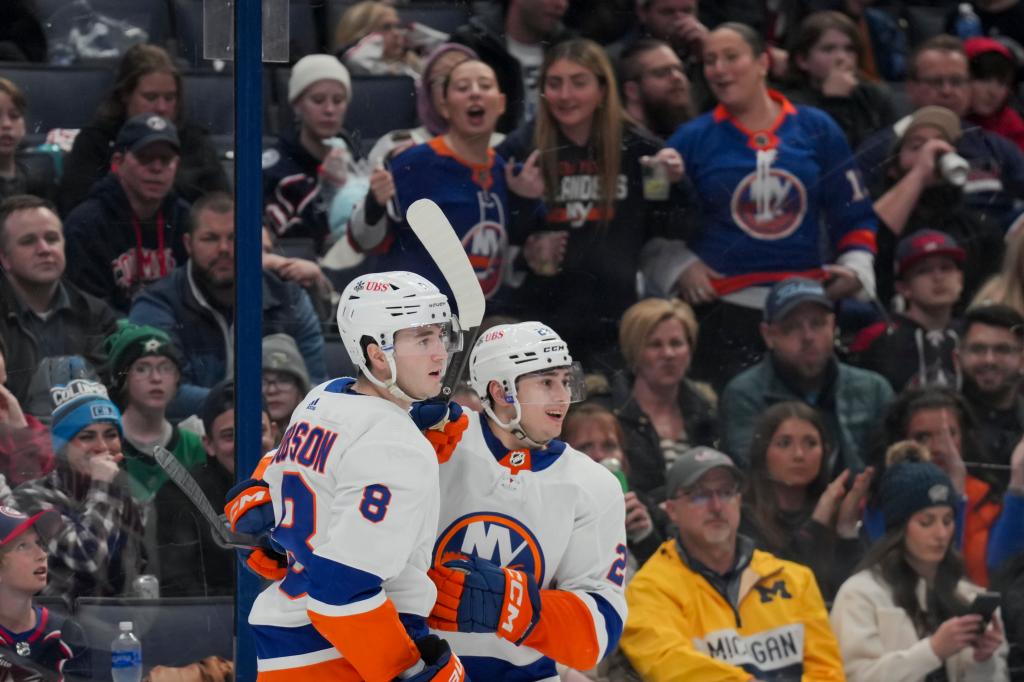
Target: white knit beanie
x=317, y=67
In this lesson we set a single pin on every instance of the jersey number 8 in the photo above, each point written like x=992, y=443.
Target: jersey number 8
x=374, y=505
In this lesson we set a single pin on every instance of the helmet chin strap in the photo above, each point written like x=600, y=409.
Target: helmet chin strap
x=391, y=384
x=515, y=426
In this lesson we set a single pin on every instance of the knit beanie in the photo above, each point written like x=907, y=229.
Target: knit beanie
x=910, y=486
x=281, y=354
x=77, y=405
x=133, y=341
x=317, y=67
x=430, y=117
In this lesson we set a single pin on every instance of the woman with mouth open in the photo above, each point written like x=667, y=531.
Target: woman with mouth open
x=905, y=615
x=480, y=193
x=768, y=174
x=604, y=203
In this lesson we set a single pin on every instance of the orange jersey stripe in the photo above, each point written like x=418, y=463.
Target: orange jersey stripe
x=338, y=669
x=264, y=462
x=727, y=285
x=565, y=631
x=375, y=641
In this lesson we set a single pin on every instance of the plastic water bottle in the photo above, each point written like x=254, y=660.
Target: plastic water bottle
x=126, y=655
x=968, y=25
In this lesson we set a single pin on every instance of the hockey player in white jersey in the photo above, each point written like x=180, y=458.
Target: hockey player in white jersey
x=531, y=549
x=354, y=487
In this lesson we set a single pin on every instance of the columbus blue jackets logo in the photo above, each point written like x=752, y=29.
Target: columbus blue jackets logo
x=495, y=537
x=769, y=206
x=486, y=244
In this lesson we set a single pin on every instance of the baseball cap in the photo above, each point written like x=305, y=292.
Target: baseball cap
x=693, y=464
x=789, y=293
x=923, y=243
x=941, y=118
x=146, y=129
x=983, y=44
x=13, y=523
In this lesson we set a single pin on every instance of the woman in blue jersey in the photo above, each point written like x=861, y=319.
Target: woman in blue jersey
x=459, y=170
x=581, y=266
x=769, y=175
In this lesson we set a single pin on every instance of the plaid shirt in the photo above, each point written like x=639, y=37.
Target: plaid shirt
x=98, y=549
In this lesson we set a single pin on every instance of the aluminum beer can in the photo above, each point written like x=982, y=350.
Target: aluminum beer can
x=146, y=586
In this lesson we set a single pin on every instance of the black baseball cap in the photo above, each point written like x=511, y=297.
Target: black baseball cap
x=146, y=129
x=789, y=293
x=917, y=246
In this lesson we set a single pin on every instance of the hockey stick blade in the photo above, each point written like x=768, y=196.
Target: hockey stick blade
x=438, y=237
x=177, y=472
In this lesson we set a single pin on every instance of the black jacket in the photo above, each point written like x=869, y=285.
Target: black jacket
x=199, y=170
x=643, y=447
x=867, y=109
x=107, y=259
x=78, y=325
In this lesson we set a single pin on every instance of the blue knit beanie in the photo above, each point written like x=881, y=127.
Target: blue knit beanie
x=910, y=486
x=79, y=404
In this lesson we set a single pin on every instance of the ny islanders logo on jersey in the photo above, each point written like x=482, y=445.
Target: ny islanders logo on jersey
x=495, y=537
x=486, y=243
x=769, y=203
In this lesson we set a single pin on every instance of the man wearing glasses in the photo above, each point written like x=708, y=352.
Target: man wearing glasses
x=938, y=75
x=991, y=360
x=710, y=604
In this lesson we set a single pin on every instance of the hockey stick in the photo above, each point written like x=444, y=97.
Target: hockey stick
x=222, y=535
x=438, y=237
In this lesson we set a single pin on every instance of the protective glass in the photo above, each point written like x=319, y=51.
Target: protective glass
x=552, y=386
x=429, y=339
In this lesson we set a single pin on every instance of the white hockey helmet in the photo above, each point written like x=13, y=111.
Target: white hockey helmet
x=507, y=352
x=378, y=305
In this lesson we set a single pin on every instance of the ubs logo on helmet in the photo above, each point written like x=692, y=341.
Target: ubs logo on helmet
x=495, y=537
x=769, y=207
x=486, y=244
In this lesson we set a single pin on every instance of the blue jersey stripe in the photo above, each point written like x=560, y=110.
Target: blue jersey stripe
x=612, y=622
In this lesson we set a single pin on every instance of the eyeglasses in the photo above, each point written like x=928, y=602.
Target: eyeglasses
x=164, y=369
x=1000, y=350
x=702, y=496
x=936, y=82
x=278, y=383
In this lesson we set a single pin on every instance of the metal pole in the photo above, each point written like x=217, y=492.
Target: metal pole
x=248, y=289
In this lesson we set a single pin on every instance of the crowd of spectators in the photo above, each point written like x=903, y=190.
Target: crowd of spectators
x=784, y=239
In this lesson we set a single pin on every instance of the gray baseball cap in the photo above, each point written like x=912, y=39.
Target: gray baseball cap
x=693, y=464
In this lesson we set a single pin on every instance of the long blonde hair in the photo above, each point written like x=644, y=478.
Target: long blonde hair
x=1007, y=287
x=606, y=132
x=358, y=21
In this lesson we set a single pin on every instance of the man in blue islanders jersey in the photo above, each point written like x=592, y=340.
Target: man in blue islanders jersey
x=531, y=550
x=354, y=487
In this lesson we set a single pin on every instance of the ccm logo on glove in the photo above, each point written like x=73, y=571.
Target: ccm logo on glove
x=514, y=600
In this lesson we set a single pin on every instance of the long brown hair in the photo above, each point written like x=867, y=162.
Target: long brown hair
x=811, y=29
x=761, y=505
x=138, y=62
x=887, y=557
x=606, y=132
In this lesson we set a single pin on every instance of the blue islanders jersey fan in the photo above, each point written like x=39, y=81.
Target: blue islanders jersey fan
x=473, y=197
x=765, y=196
x=545, y=515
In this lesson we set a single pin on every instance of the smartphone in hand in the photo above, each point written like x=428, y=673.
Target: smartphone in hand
x=985, y=604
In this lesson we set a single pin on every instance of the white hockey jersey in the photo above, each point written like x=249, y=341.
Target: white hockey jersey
x=355, y=492
x=555, y=514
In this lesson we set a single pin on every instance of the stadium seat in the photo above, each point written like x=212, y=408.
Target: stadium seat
x=173, y=631
x=209, y=101
x=58, y=97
